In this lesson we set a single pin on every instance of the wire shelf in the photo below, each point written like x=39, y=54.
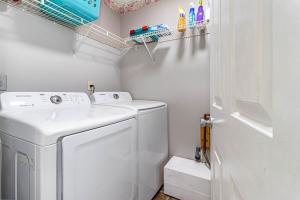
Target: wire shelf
x=50, y=11
x=168, y=35
x=165, y=35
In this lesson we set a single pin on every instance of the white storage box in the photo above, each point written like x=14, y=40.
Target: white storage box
x=187, y=180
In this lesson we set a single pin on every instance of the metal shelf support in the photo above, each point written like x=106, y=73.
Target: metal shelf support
x=81, y=40
x=148, y=50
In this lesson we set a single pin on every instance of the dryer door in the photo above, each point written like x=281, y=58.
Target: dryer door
x=101, y=163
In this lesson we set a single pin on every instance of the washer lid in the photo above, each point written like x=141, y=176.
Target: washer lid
x=142, y=105
x=43, y=124
x=124, y=99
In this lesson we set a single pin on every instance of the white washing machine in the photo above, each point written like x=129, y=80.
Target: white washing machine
x=57, y=146
x=152, y=138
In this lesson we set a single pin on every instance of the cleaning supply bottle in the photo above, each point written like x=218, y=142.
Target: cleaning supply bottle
x=192, y=16
x=207, y=11
x=200, y=13
x=181, y=22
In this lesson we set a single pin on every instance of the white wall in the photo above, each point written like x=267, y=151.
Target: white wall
x=37, y=55
x=109, y=20
x=179, y=76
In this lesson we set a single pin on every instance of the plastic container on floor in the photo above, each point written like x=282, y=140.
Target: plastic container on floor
x=187, y=179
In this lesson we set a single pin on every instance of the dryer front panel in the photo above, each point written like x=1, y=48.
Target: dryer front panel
x=101, y=163
x=152, y=150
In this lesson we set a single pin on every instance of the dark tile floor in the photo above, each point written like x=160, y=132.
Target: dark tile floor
x=162, y=196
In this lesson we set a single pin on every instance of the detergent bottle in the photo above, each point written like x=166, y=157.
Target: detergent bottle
x=192, y=16
x=200, y=13
x=181, y=22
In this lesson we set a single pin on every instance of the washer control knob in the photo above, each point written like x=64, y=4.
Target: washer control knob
x=56, y=99
x=116, y=96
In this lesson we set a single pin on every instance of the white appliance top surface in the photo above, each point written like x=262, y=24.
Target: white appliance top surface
x=34, y=118
x=124, y=99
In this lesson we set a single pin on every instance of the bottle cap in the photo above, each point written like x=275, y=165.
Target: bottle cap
x=181, y=10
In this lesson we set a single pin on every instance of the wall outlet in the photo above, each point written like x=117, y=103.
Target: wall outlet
x=3, y=82
x=91, y=86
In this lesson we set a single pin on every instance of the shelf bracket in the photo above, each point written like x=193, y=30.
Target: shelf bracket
x=82, y=38
x=148, y=50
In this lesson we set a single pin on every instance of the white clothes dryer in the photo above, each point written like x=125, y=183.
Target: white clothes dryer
x=152, y=138
x=57, y=146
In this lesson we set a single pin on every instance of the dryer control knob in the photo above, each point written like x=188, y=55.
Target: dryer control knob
x=56, y=99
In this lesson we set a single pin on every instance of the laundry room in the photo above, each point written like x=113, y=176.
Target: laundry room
x=148, y=99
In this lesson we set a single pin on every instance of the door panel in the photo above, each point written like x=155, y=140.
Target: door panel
x=234, y=193
x=101, y=163
x=217, y=175
x=258, y=137
x=251, y=64
x=217, y=79
x=242, y=142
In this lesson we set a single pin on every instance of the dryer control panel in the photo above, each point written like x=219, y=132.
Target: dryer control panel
x=111, y=97
x=29, y=100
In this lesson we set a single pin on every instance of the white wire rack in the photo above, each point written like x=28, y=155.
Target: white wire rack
x=49, y=10
x=166, y=35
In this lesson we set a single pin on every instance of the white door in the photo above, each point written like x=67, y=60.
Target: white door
x=101, y=164
x=255, y=82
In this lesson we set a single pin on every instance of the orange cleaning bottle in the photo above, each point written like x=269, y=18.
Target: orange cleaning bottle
x=181, y=21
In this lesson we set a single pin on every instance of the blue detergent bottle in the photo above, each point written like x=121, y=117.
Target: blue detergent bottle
x=192, y=16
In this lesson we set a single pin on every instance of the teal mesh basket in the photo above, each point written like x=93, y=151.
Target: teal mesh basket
x=73, y=12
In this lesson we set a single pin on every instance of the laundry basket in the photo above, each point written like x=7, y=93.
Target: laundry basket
x=74, y=12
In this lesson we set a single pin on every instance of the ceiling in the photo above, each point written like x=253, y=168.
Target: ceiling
x=124, y=6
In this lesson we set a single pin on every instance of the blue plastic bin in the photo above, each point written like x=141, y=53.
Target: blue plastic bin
x=89, y=10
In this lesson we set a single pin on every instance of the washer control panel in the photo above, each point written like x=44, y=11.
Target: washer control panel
x=27, y=100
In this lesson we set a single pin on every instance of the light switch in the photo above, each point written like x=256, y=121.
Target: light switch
x=3, y=82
